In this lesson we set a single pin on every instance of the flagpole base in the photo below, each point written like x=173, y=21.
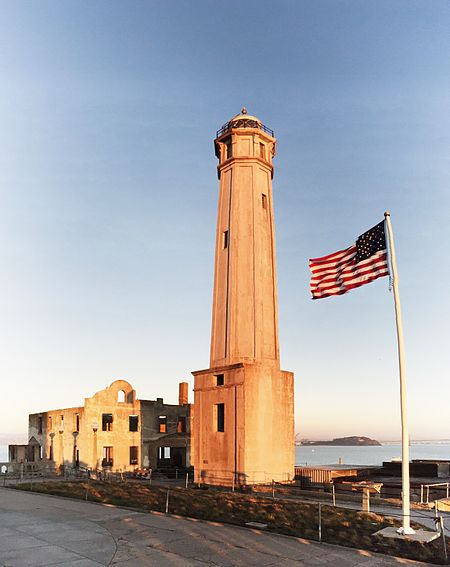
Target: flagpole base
x=406, y=531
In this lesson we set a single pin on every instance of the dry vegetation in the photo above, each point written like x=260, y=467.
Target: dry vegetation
x=339, y=526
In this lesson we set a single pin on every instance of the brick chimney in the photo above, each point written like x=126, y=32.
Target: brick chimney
x=183, y=394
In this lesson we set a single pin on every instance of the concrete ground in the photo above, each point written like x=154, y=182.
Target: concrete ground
x=40, y=530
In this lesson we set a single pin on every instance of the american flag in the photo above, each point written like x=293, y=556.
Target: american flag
x=342, y=271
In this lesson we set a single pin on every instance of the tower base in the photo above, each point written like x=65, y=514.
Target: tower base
x=244, y=424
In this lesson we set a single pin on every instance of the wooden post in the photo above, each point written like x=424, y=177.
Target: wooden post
x=167, y=502
x=320, y=522
x=406, y=527
x=366, y=500
x=441, y=523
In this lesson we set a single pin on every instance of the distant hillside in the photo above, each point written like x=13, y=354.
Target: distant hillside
x=345, y=441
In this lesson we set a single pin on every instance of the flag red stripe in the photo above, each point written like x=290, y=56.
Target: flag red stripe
x=374, y=261
x=324, y=259
x=330, y=266
x=341, y=271
x=338, y=284
x=349, y=287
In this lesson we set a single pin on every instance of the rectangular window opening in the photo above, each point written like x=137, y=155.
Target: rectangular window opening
x=262, y=150
x=50, y=423
x=164, y=452
x=162, y=424
x=133, y=423
x=40, y=424
x=107, y=421
x=220, y=379
x=107, y=457
x=264, y=201
x=225, y=239
x=77, y=422
x=220, y=412
x=229, y=147
x=181, y=426
x=133, y=455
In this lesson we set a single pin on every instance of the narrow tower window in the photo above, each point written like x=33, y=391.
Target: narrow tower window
x=220, y=413
x=264, y=201
x=225, y=239
x=229, y=147
x=262, y=151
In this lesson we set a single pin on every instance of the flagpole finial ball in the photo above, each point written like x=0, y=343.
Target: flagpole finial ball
x=244, y=110
x=387, y=214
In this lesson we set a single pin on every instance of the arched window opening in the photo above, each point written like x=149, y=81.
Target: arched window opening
x=121, y=396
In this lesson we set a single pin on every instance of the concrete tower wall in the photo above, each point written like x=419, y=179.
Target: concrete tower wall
x=269, y=423
x=244, y=403
x=245, y=323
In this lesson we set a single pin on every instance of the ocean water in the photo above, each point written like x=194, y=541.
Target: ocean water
x=3, y=453
x=327, y=455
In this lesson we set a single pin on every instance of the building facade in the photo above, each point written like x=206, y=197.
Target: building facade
x=114, y=430
x=244, y=402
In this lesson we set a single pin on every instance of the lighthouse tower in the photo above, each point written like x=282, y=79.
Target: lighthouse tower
x=244, y=403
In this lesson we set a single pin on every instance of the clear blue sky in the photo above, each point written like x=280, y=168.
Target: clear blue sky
x=108, y=195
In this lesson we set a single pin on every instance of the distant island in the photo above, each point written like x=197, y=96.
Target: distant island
x=345, y=441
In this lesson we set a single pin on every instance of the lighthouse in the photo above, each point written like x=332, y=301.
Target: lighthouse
x=244, y=402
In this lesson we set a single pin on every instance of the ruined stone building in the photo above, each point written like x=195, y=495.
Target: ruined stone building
x=112, y=429
x=244, y=402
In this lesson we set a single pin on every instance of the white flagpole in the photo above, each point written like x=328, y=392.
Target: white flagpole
x=406, y=527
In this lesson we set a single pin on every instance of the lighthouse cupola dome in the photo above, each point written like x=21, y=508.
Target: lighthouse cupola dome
x=243, y=120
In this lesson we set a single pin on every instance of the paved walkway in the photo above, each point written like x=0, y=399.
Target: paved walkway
x=39, y=530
